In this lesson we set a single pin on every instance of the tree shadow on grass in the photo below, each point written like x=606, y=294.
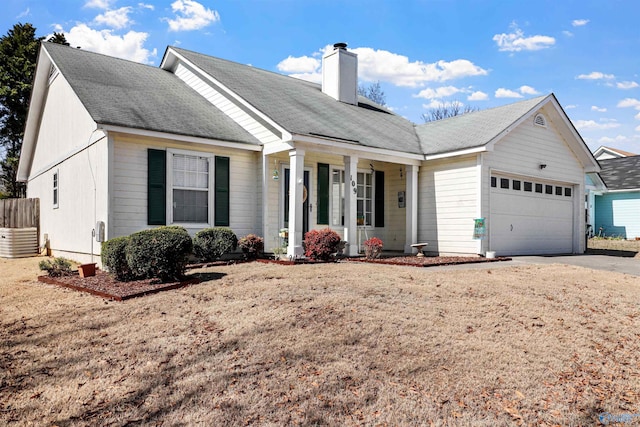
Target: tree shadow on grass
x=206, y=277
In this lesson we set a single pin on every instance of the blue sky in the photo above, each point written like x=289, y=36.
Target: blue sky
x=478, y=52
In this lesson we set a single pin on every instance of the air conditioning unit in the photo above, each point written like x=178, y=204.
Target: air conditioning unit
x=18, y=242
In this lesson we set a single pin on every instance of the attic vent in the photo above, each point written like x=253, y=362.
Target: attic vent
x=53, y=73
x=540, y=120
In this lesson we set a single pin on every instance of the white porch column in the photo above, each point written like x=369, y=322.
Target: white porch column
x=296, y=184
x=411, y=199
x=351, y=204
x=264, y=207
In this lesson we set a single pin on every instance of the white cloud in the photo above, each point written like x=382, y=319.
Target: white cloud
x=629, y=102
x=516, y=40
x=385, y=66
x=637, y=116
x=637, y=128
x=127, y=46
x=99, y=4
x=374, y=65
x=528, y=90
x=598, y=109
x=146, y=6
x=596, y=75
x=24, y=14
x=117, y=19
x=579, y=22
x=609, y=140
x=191, y=15
x=478, y=96
x=593, y=125
x=300, y=64
x=434, y=104
x=627, y=85
x=570, y=106
x=567, y=33
x=440, y=92
x=506, y=93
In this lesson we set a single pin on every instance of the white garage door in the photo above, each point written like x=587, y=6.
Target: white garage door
x=529, y=217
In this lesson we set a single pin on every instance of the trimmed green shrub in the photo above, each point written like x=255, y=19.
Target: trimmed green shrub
x=211, y=243
x=56, y=267
x=159, y=252
x=321, y=244
x=114, y=257
x=251, y=245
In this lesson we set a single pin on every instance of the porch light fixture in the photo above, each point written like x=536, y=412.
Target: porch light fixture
x=371, y=166
x=400, y=172
x=542, y=166
x=275, y=176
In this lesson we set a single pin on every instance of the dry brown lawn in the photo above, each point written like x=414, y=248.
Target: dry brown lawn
x=338, y=344
x=614, y=246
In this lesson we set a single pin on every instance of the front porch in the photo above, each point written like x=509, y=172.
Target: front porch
x=359, y=195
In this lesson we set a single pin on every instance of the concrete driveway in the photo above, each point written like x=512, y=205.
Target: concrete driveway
x=598, y=262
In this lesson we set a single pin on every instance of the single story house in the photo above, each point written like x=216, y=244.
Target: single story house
x=201, y=142
x=617, y=209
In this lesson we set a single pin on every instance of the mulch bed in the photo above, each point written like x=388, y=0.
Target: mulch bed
x=106, y=286
x=426, y=261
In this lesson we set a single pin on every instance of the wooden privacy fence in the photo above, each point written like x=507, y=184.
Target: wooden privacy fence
x=19, y=213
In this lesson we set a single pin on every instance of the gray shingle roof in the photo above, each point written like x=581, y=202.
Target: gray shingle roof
x=472, y=130
x=622, y=173
x=124, y=93
x=300, y=107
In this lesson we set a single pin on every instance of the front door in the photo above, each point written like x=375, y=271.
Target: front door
x=305, y=201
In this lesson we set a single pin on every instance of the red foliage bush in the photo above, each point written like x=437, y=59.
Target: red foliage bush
x=372, y=248
x=251, y=245
x=321, y=244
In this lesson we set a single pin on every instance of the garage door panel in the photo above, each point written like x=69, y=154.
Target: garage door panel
x=523, y=223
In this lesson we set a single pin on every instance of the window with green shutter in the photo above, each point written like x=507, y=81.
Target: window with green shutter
x=222, y=202
x=156, y=187
x=323, y=193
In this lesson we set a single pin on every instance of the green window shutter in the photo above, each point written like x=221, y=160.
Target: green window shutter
x=156, y=187
x=323, y=193
x=379, y=199
x=222, y=192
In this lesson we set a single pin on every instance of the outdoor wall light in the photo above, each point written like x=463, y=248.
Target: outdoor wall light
x=542, y=166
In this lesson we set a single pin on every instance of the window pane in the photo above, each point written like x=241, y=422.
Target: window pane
x=538, y=188
x=515, y=184
x=528, y=186
x=337, y=197
x=558, y=191
x=190, y=206
x=504, y=183
x=548, y=189
x=567, y=192
x=494, y=181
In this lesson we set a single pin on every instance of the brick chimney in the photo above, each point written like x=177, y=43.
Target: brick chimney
x=340, y=74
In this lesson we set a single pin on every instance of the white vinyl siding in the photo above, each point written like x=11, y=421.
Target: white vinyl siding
x=129, y=197
x=226, y=105
x=448, y=204
x=521, y=153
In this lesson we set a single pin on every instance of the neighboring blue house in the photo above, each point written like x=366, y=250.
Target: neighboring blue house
x=617, y=210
